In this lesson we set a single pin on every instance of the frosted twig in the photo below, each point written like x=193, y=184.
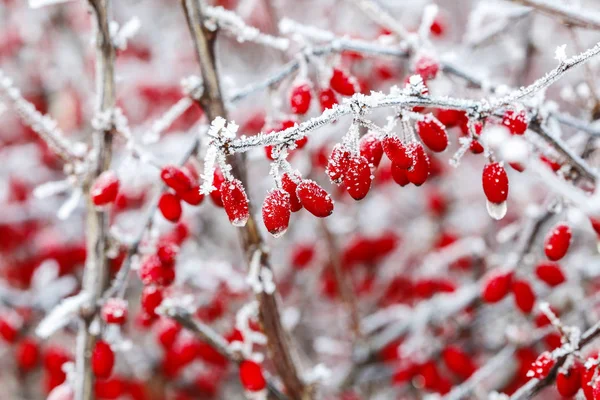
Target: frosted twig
x=61, y=315
x=570, y=15
x=381, y=16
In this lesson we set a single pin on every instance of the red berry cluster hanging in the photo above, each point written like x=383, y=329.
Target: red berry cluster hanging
x=183, y=185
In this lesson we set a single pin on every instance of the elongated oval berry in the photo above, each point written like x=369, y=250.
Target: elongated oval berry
x=215, y=195
x=114, y=311
x=357, y=178
x=342, y=83
x=314, y=198
x=338, y=163
x=251, y=376
x=371, y=148
x=235, y=202
x=541, y=366
x=588, y=383
x=433, y=133
x=496, y=287
x=152, y=297
x=193, y=196
x=400, y=175
x=458, y=361
x=27, y=354
x=300, y=99
x=327, y=99
x=396, y=152
x=550, y=273
x=557, y=242
x=524, y=295
x=170, y=207
x=105, y=188
x=427, y=67
x=276, y=211
x=154, y=272
x=568, y=382
x=103, y=360
x=176, y=178
x=495, y=183
x=516, y=122
x=289, y=185
x=419, y=172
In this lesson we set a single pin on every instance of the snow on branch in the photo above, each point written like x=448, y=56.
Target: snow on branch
x=570, y=14
x=62, y=314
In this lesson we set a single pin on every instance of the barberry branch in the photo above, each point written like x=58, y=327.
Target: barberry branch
x=567, y=14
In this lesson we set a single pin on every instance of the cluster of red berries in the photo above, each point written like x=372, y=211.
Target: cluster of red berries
x=183, y=185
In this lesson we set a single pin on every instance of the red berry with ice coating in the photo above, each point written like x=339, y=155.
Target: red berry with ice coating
x=176, y=178
x=427, y=67
x=338, y=163
x=419, y=172
x=495, y=183
x=103, y=360
x=300, y=99
x=342, y=83
x=167, y=252
x=400, y=175
x=550, y=273
x=568, y=382
x=371, y=148
x=276, y=211
x=516, y=122
x=327, y=99
x=541, y=366
x=153, y=272
x=432, y=133
x=170, y=207
x=290, y=185
x=357, y=178
x=557, y=242
x=105, y=188
x=251, y=376
x=235, y=202
x=496, y=287
x=151, y=298
x=524, y=295
x=114, y=311
x=314, y=198
x=397, y=152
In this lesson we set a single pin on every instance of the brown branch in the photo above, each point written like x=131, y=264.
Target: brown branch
x=278, y=342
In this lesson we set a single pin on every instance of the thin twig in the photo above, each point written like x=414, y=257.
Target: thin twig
x=568, y=14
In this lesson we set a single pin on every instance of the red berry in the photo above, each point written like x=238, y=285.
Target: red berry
x=27, y=354
x=438, y=27
x=524, y=295
x=235, y=202
x=427, y=67
x=432, y=133
x=176, y=178
x=105, y=188
x=167, y=252
x=154, y=272
x=327, y=99
x=458, y=361
x=167, y=333
x=170, y=207
x=314, y=198
x=338, y=163
x=103, y=360
x=495, y=183
x=300, y=143
x=568, y=383
x=276, y=211
x=300, y=99
x=517, y=166
x=451, y=118
x=215, y=195
x=550, y=273
x=588, y=383
x=9, y=329
x=289, y=185
x=419, y=172
x=516, y=122
x=595, y=224
x=342, y=83
x=151, y=298
x=371, y=148
x=557, y=242
x=400, y=175
x=541, y=366
x=251, y=376
x=114, y=311
x=357, y=178
x=302, y=255
x=396, y=152
x=192, y=196
x=496, y=287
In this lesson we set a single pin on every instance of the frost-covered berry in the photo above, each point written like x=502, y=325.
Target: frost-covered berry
x=550, y=273
x=557, y=242
x=300, y=98
x=342, y=83
x=432, y=133
x=419, y=172
x=397, y=152
x=290, y=185
x=327, y=99
x=105, y=188
x=154, y=272
x=568, y=382
x=496, y=287
x=251, y=376
x=114, y=311
x=167, y=252
x=516, y=122
x=371, y=148
x=357, y=178
x=400, y=175
x=170, y=207
x=103, y=360
x=193, y=196
x=524, y=295
x=427, y=67
x=276, y=211
x=338, y=163
x=176, y=178
x=151, y=298
x=314, y=198
x=235, y=202
x=541, y=366
x=495, y=183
